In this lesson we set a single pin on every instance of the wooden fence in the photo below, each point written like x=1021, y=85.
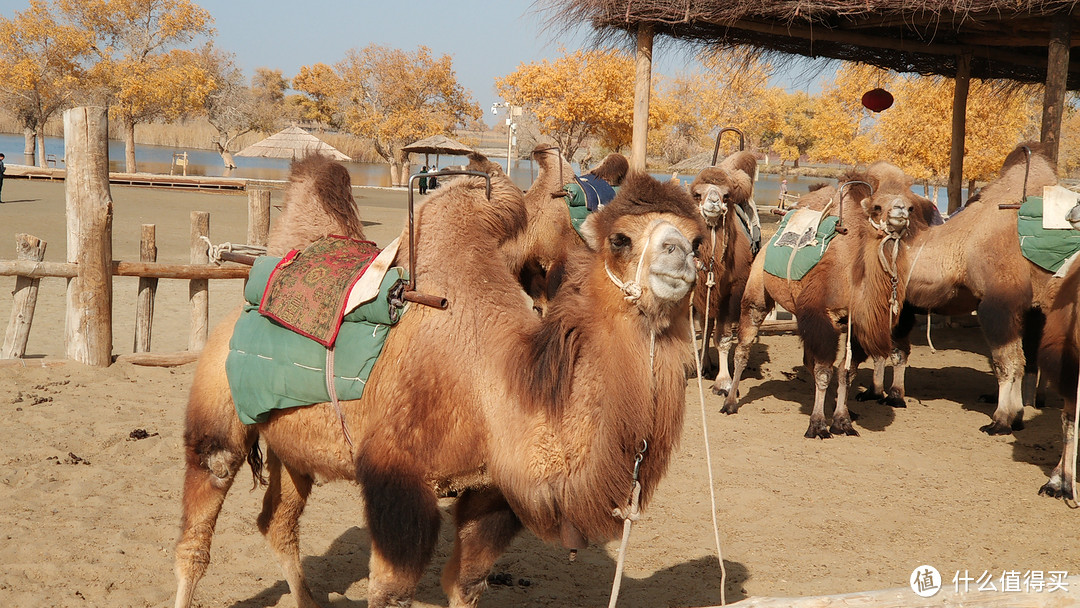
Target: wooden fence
x=89, y=267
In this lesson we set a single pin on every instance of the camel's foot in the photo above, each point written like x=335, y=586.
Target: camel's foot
x=842, y=426
x=870, y=395
x=996, y=428
x=731, y=406
x=818, y=429
x=894, y=401
x=1056, y=487
x=722, y=388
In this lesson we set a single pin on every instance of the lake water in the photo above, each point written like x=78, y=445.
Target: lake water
x=157, y=159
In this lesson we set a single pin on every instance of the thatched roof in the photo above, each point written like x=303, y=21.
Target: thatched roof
x=438, y=144
x=292, y=143
x=1006, y=38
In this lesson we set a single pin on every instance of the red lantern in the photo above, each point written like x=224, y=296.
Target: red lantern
x=877, y=100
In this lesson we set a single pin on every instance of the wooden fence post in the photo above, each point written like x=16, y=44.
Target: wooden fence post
x=258, y=217
x=144, y=309
x=198, y=289
x=27, y=247
x=88, y=323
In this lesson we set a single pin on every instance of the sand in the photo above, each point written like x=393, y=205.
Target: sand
x=91, y=511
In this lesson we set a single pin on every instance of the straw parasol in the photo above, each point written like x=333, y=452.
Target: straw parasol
x=292, y=143
x=437, y=144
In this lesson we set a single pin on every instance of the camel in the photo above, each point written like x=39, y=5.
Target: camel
x=855, y=286
x=1059, y=358
x=318, y=202
x=973, y=263
x=540, y=420
x=726, y=254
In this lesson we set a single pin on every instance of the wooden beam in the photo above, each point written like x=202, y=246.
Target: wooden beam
x=67, y=270
x=1057, y=73
x=258, y=217
x=88, y=323
x=959, y=131
x=24, y=298
x=642, y=88
x=159, y=359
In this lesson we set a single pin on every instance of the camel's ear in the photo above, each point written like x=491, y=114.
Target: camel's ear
x=865, y=203
x=588, y=232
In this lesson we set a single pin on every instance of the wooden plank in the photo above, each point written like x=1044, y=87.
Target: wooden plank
x=31, y=248
x=199, y=289
x=88, y=323
x=68, y=270
x=642, y=89
x=159, y=359
x=144, y=307
x=959, y=130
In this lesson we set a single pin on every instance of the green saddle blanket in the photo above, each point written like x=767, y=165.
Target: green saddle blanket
x=270, y=367
x=1047, y=248
x=790, y=256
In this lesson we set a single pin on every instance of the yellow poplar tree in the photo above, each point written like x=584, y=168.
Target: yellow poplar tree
x=39, y=68
x=842, y=126
x=581, y=95
x=322, y=89
x=142, y=66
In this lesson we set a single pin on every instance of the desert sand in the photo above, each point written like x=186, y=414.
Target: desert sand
x=91, y=468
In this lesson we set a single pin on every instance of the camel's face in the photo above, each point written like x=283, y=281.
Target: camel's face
x=889, y=212
x=658, y=253
x=713, y=200
x=1073, y=217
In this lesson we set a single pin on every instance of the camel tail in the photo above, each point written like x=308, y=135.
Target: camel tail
x=255, y=462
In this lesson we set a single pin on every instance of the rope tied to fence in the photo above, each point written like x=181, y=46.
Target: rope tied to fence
x=215, y=251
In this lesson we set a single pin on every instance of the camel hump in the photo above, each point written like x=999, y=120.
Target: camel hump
x=741, y=161
x=318, y=202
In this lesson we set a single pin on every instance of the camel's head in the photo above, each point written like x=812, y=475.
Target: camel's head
x=891, y=206
x=648, y=238
x=715, y=188
x=612, y=169
x=1073, y=217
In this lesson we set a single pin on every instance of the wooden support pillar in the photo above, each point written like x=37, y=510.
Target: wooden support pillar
x=258, y=217
x=144, y=308
x=1057, y=73
x=31, y=248
x=198, y=289
x=959, y=130
x=88, y=324
x=642, y=88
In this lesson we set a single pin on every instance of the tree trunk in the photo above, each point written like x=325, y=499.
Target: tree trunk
x=129, y=146
x=29, y=146
x=39, y=135
x=795, y=164
x=226, y=156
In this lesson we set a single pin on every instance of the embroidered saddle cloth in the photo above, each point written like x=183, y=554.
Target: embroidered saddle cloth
x=270, y=366
x=1048, y=248
x=799, y=243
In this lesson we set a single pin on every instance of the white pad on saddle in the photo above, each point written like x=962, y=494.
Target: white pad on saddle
x=1057, y=202
x=367, y=287
x=801, y=229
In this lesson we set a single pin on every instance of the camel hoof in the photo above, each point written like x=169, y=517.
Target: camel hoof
x=730, y=408
x=1018, y=424
x=996, y=428
x=892, y=401
x=843, y=427
x=719, y=391
x=1053, y=490
x=817, y=430
x=869, y=396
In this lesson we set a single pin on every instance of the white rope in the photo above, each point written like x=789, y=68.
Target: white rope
x=1070, y=466
x=928, y=340
x=215, y=250
x=629, y=516
x=708, y=462
x=632, y=289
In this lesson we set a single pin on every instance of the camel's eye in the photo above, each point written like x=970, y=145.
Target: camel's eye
x=697, y=246
x=619, y=241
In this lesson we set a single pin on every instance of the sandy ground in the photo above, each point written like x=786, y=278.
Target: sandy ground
x=90, y=513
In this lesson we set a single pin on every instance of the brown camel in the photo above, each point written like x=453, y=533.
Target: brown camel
x=724, y=192
x=858, y=282
x=541, y=420
x=973, y=262
x=1059, y=358
x=318, y=202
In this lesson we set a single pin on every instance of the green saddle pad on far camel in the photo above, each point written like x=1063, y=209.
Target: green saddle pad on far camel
x=791, y=255
x=1047, y=248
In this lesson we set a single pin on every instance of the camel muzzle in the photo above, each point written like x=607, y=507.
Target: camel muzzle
x=1073, y=217
x=898, y=219
x=672, y=268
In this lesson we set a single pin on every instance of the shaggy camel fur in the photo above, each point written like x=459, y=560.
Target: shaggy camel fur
x=541, y=419
x=973, y=262
x=854, y=282
x=318, y=202
x=726, y=254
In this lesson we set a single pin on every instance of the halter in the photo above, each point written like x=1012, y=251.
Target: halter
x=632, y=289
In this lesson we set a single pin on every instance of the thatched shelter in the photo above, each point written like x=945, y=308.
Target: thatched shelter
x=1022, y=40
x=437, y=144
x=292, y=143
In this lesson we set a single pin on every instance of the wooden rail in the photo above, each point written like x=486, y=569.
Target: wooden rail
x=150, y=270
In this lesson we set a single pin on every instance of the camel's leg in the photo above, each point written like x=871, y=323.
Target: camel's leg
x=1060, y=484
x=823, y=374
x=841, y=424
x=214, y=456
x=280, y=520
x=1009, y=369
x=753, y=315
x=877, y=393
x=899, y=359
x=485, y=527
x=726, y=337
x=403, y=518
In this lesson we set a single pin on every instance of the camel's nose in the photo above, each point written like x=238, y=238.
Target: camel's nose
x=672, y=270
x=898, y=217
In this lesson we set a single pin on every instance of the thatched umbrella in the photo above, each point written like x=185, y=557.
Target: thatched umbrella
x=437, y=144
x=695, y=163
x=1020, y=40
x=292, y=143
